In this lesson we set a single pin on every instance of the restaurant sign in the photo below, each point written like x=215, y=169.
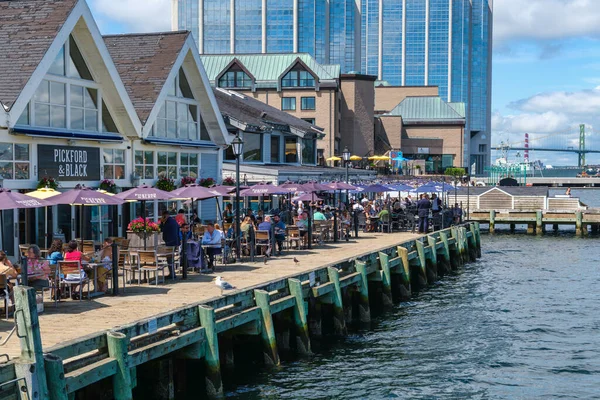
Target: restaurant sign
x=67, y=163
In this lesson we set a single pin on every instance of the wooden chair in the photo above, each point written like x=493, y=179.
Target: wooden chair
x=125, y=265
x=74, y=268
x=169, y=255
x=23, y=252
x=293, y=235
x=319, y=231
x=53, y=280
x=263, y=240
x=149, y=262
x=88, y=247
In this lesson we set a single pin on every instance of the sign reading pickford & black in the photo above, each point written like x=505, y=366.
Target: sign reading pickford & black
x=67, y=163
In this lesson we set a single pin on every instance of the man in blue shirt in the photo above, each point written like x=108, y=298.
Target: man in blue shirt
x=265, y=225
x=211, y=239
x=279, y=231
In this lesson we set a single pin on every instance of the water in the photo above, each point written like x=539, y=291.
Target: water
x=521, y=323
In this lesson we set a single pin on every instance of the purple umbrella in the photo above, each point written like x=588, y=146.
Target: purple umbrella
x=307, y=197
x=376, y=188
x=262, y=189
x=13, y=200
x=290, y=187
x=225, y=190
x=341, y=186
x=316, y=187
x=196, y=192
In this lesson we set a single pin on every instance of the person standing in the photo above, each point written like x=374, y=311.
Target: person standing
x=212, y=238
x=423, y=207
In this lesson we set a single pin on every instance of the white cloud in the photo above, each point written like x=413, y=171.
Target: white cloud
x=545, y=19
x=133, y=15
x=584, y=102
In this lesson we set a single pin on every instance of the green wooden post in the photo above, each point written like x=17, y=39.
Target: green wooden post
x=422, y=260
x=405, y=289
x=386, y=279
x=30, y=365
x=465, y=244
x=492, y=221
x=117, y=349
x=263, y=301
x=539, y=226
x=579, y=223
x=214, y=385
x=456, y=259
x=476, y=239
x=432, y=241
x=364, y=310
x=55, y=375
x=339, y=321
x=300, y=312
x=446, y=248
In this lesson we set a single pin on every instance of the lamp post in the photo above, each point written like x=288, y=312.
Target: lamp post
x=238, y=146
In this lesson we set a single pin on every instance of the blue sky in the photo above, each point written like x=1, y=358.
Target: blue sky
x=546, y=66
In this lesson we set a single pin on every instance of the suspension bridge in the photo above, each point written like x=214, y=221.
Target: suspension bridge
x=557, y=142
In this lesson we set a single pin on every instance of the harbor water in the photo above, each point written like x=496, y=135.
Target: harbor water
x=520, y=323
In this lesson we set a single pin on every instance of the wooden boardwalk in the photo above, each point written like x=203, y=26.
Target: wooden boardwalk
x=74, y=319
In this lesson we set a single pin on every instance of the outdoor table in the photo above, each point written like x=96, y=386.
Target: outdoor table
x=205, y=255
x=94, y=266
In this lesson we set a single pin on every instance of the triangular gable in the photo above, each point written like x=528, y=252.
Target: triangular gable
x=81, y=25
x=237, y=62
x=299, y=61
x=498, y=189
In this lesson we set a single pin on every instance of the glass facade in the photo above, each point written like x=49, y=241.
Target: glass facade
x=280, y=26
x=415, y=42
x=217, y=27
x=188, y=17
x=248, y=22
x=392, y=41
x=341, y=34
x=439, y=24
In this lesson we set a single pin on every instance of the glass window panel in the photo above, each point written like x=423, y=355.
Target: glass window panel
x=6, y=170
x=21, y=170
x=182, y=112
x=21, y=152
x=58, y=116
x=149, y=172
x=76, y=96
x=184, y=86
x=108, y=123
x=107, y=155
x=90, y=98
x=138, y=157
x=253, y=147
x=91, y=120
x=138, y=171
x=171, y=129
x=119, y=156
x=291, y=150
x=6, y=151
x=119, y=172
x=275, y=149
x=149, y=157
x=162, y=158
x=183, y=158
x=194, y=159
x=77, y=66
x=308, y=151
x=308, y=103
x=193, y=172
x=203, y=131
x=183, y=171
x=171, y=110
x=42, y=115
x=288, y=103
x=42, y=94
x=24, y=118
x=161, y=127
x=108, y=172
x=172, y=91
x=161, y=113
x=77, y=118
x=172, y=172
x=183, y=131
x=172, y=158
x=193, y=130
x=57, y=93
x=161, y=171
x=58, y=66
x=192, y=113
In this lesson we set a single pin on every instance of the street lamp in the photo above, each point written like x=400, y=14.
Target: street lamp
x=346, y=156
x=468, y=180
x=237, y=146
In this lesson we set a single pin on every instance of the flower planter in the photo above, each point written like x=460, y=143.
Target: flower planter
x=136, y=239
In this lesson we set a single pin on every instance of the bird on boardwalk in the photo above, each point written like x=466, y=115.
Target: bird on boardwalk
x=223, y=285
x=265, y=260
x=296, y=261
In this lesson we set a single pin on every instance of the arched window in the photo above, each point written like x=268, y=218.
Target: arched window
x=298, y=77
x=235, y=77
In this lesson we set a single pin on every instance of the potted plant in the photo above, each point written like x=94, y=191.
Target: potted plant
x=417, y=170
x=47, y=182
x=135, y=233
x=108, y=186
x=207, y=182
x=165, y=184
x=229, y=181
x=187, y=180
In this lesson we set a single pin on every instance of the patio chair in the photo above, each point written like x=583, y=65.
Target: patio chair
x=70, y=274
x=293, y=236
x=127, y=266
x=149, y=262
x=263, y=240
x=170, y=255
x=384, y=223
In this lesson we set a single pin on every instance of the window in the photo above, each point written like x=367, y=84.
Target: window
x=69, y=86
x=14, y=161
x=144, y=164
x=275, y=142
x=482, y=148
x=307, y=103
x=188, y=165
x=288, y=103
x=298, y=78
x=235, y=78
x=291, y=150
x=179, y=116
x=253, y=147
x=309, y=120
x=308, y=151
x=114, y=164
x=166, y=164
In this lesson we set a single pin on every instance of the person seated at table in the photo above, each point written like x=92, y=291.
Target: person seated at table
x=265, y=225
x=228, y=214
x=346, y=220
x=383, y=216
x=180, y=217
x=212, y=238
x=328, y=214
x=194, y=219
x=302, y=225
x=279, y=232
x=218, y=227
x=170, y=229
x=37, y=268
x=184, y=231
x=318, y=215
x=55, y=252
x=245, y=227
x=73, y=254
x=105, y=257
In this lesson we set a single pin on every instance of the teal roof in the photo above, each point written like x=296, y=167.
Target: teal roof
x=267, y=68
x=459, y=108
x=428, y=108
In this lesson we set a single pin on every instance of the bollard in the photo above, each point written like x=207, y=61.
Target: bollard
x=492, y=221
x=115, y=269
x=405, y=288
x=55, y=375
x=117, y=349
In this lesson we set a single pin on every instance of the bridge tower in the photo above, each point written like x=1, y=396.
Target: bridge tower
x=526, y=154
x=581, y=146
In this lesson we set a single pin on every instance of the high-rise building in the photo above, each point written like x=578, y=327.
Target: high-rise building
x=444, y=43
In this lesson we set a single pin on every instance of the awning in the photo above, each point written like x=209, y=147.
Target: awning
x=179, y=143
x=75, y=135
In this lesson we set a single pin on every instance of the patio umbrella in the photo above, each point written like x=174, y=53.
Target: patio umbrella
x=195, y=192
x=376, y=188
x=356, y=158
x=44, y=193
x=341, y=186
x=143, y=193
x=401, y=187
x=15, y=200
x=290, y=187
x=334, y=158
x=307, y=197
x=262, y=189
x=84, y=196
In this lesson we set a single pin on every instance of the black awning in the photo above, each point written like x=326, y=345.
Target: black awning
x=75, y=135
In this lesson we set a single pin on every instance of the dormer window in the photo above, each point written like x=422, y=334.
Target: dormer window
x=179, y=116
x=298, y=77
x=235, y=77
x=68, y=97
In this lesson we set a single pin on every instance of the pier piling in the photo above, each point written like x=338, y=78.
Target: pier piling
x=263, y=301
x=422, y=262
x=214, y=385
x=405, y=287
x=300, y=320
x=386, y=280
x=492, y=221
x=339, y=321
x=364, y=310
x=117, y=349
x=55, y=374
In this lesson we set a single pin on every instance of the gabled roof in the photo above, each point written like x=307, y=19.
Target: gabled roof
x=419, y=109
x=537, y=191
x=267, y=68
x=27, y=29
x=258, y=115
x=144, y=62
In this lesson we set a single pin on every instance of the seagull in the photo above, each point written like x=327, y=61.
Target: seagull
x=296, y=261
x=223, y=285
x=265, y=260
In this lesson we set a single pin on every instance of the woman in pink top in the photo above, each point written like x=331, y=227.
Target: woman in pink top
x=37, y=268
x=73, y=253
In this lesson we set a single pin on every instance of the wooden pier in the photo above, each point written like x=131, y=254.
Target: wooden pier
x=538, y=221
x=286, y=312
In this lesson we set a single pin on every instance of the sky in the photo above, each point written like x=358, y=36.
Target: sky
x=546, y=67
